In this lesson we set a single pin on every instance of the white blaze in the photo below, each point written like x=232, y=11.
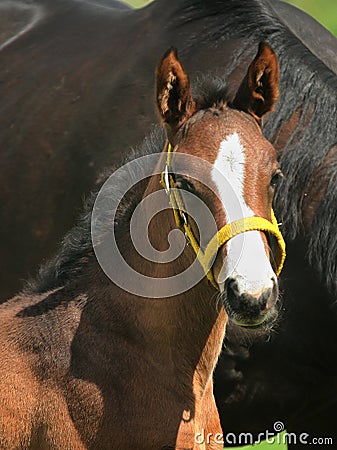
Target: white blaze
x=246, y=260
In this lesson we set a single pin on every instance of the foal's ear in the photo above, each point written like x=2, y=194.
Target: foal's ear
x=259, y=90
x=173, y=92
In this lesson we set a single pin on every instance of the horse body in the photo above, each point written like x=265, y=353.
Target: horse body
x=74, y=380
x=58, y=95
x=86, y=364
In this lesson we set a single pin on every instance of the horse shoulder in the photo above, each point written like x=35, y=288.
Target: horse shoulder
x=34, y=411
x=19, y=399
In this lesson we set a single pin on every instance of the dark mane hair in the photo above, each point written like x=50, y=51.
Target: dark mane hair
x=315, y=96
x=302, y=157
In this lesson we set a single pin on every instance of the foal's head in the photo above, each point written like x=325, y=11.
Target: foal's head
x=241, y=175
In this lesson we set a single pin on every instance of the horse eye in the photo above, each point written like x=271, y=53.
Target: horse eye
x=276, y=178
x=183, y=183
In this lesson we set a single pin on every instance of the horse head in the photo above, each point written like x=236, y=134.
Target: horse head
x=239, y=180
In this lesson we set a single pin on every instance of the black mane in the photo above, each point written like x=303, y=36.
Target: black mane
x=306, y=150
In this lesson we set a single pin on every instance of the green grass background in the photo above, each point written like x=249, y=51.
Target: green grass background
x=324, y=11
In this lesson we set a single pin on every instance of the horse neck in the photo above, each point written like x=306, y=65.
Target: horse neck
x=184, y=331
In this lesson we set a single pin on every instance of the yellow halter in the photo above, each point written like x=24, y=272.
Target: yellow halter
x=226, y=233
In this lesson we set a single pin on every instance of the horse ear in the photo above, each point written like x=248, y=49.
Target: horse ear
x=173, y=92
x=259, y=90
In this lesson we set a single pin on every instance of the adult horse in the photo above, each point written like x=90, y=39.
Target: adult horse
x=69, y=72
x=86, y=364
x=66, y=111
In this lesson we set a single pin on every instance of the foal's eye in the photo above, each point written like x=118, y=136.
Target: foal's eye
x=184, y=183
x=276, y=178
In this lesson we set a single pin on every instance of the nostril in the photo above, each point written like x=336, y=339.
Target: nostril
x=269, y=297
x=232, y=286
x=265, y=300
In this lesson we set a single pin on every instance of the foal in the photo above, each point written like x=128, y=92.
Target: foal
x=88, y=365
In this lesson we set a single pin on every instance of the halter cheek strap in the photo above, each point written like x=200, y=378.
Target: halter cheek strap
x=226, y=233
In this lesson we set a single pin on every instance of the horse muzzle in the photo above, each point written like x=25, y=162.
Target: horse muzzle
x=250, y=309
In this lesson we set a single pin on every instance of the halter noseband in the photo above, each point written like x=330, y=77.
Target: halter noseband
x=223, y=235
